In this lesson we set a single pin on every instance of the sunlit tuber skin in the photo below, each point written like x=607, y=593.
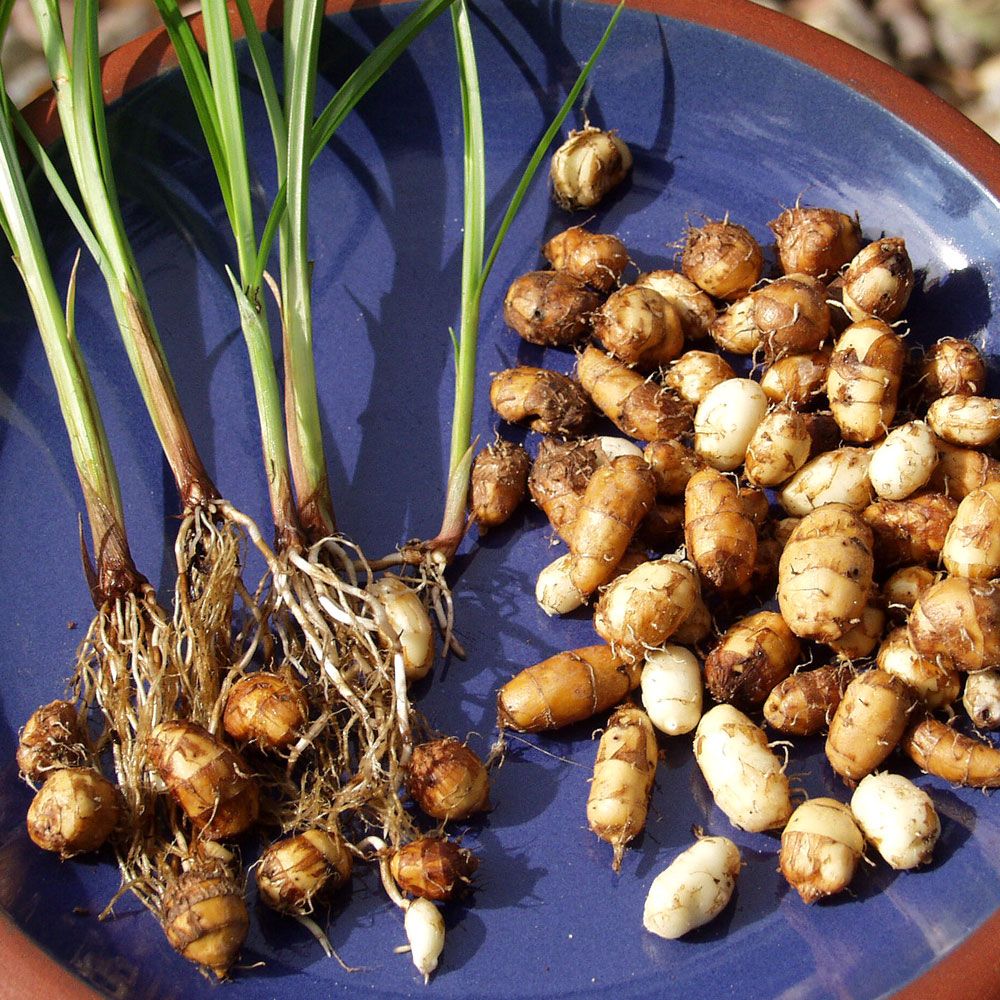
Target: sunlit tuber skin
x=961, y=470
x=623, y=780
x=297, y=872
x=205, y=917
x=596, y=259
x=639, y=328
x=825, y=574
x=695, y=308
x=933, y=686
x=673, y=464
x=803, y=704
x=756, y=653
x=956, y=624
x=671, y=688
x=447, y=780
x=981, y=698
x=723, y=259
x=734, y=329
x=904, y=462
x=721, y=540
x=940, y=750
x=587, y=167
x=835, y=477
x=558, y=479
x=878, y=281
x=609, y=448
x=433, y=868
x=905, y=586
x=694, y=373
x=756, y=505
x=549, y=308
x=75, y=811
x=972, y=546
x=643, y=608
x=797, y=381
x=637, y=406
x=952, y=367
x=815, y=241
x=864, y=379
x=211, y=784
x=499, y=483
x=425, y=932
x=616, y=499
x=268, y=709
x=820, y=849
x=743, y=773
x=792, y=315
x=566, y=688
x=966, y=421
x=693, y=890
x=898, y=818
x=549, y=402
x=860, y=641
x=868, y=723
x=52, y=738
x=911, y=530
x=779, y=447
x=726, y=420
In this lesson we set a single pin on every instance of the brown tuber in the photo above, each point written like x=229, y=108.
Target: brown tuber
x=499, y=483
x=695, y=308
x=878, y=281
x=549, y=308
x=267, y=709
x=938, y=749
x=820, y=848
x=596, y=259
x=695, y=373
x=52, y=738
x=639, y=328
x=210, y=783
x=550, y=402
x=296, y=872
x=448, y=780
x=623, y=780
x=205, y=917
x=952, y=367
x=637, y=406
x=792, y=315
x=673, y=464
x=723, y=259
x=433, y=868
x=815, y=241
x=956, y=624
x=566, y=688
x=587, y=166
x=911, y=530
x=721, y=539
x=75, y=811
x=796, y=380
x=803, y=704
x=616, y=499
x=558, y=479
x=869, y=722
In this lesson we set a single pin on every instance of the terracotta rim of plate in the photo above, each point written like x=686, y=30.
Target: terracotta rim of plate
x=970, y=971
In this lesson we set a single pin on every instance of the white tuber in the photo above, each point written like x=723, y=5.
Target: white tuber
x=424, y=928
x=693, y=890
x=898, y=818
x=904, y=461
x=671, y=688
x=726, y=419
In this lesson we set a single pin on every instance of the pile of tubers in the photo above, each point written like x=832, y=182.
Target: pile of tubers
x=800, y=516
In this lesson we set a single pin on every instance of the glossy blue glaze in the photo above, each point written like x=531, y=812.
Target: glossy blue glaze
x=716, y=124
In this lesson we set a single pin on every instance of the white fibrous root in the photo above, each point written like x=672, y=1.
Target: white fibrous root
x=425, y=930
x=897, y=818
x=820, y=848
x=744, y=775
x=693, y=890
x=671, y=689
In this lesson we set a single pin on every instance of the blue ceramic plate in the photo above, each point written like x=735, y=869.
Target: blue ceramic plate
x=718, y=124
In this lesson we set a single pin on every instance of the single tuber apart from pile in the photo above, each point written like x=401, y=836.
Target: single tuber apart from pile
x=549, y=402
x=587, y=167
x=447, y=780
x=297, y=872
x=549, y=308
x=499, y=483
x=52, y=738
x=434, y=868
x=74, y=812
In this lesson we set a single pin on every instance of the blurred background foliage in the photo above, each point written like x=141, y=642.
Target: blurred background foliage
x=950, y=46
